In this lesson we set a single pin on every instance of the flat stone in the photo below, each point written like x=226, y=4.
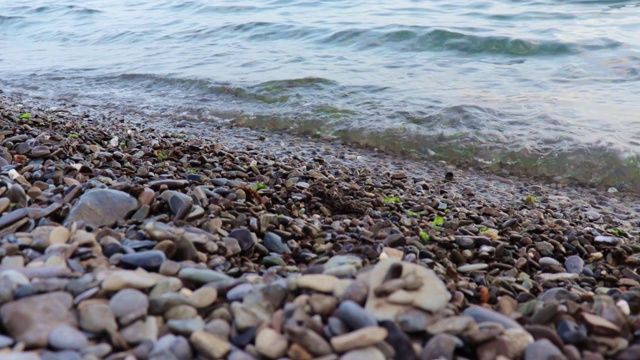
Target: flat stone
x=127, y=302
x=543, y=349
x=96, y=316
x=186, y=326
x=67, y=337
x=202, y=276
x=318, y=282
x=441, y=346
x=121, y=279
x=203, y=297
x=273, y=242
x=369, y=353
x=548, y=261
x=148, y=260
x=313, y=343
x=472, y=267
x=30, y=320
x=432, y=295
x=271, y=343
x=481, y=315
x=558, y=277
x=102, y=207
x=5, y=341
x=355, y=316
x=209, y=345
x=452, y=325
x=366, y=336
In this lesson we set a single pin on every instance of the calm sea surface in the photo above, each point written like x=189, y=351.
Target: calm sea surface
x=541, y=87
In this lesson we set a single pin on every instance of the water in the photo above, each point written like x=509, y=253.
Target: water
x=544, y=88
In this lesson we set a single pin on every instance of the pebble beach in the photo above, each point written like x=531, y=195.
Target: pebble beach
x=128, y=236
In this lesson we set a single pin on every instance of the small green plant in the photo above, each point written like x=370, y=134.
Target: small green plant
x=245, y=166
x=392, y=200
x=438, y=221
x=530, y=199
x=424, y=236
x=412, y=213
x=446, y=211
x=179, y=136
x=26, y=115
x=280, y=215
x=123, y=144
x=483, y=229
x=260, y=186
x=74, y=136
x=192, y=171
x=161, y=156
x=616, y=232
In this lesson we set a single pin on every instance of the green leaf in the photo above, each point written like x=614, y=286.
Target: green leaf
x=412, y=213
x=530, y=199
x=483, y=229
x=74, y=136
x=123, y=144
x=192, y=171
x=438, y=221
x=424, y=236
x=161, y=156
x=26, y=115
x=392, y=200
x=616, y=232
x=260, y=186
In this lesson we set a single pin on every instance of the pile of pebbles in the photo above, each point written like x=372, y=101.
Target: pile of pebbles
x=118, y=241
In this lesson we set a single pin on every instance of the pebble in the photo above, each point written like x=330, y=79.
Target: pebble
x=202, y=276
x=369, y=353
x=102, y=207
x=441, y=346
x=271, y=344
x=30, y=320
x=148, y=260
x=67, y=337
x=574, y=264
x=472, y=267
x=209, y=345
x=318, y=282
x=543, y=349
x=360, y=338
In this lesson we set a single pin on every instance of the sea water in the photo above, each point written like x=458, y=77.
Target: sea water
x=542, y=88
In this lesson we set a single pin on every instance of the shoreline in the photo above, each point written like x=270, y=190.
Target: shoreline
x=223, y=218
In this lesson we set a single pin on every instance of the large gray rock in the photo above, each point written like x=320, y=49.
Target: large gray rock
x=30, y=320
x=102, y=207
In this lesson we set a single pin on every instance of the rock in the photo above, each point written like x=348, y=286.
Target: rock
x=243, y=317
x=30, y=320
x=121, y=279
x=245, y=238
x=129, y=304
x=102, y=207
x=96, y=316
x=186, y=326
x=543, y=349
x=141, y=330
x=451, y=325
x=202, y=276
x=148, y=260
x=517, y=340
x=472, y=267
x=66, y=337
x=481, y=315
x=558, y=277
x=203, y=297
x=366, y=336
x=369, y=353
x=271, y=344
x=354, y=316
x=548, y=261
x=574, y=264
x=441, y=346
x=274, y=243
x=209, y=345
x=318, y=282
x=315, y=344
x=600, y=325
x=432, y=295
x=5, y=341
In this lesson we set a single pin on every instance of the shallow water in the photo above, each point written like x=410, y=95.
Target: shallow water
x=546, y=88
